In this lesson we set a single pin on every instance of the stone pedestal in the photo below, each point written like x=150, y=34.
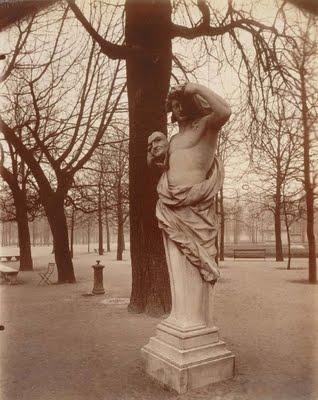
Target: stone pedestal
x=186, y=352
x=98, y=278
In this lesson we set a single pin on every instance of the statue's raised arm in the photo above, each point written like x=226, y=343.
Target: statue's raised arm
x=220, y=110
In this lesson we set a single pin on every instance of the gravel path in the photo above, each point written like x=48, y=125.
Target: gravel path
x=59, y=344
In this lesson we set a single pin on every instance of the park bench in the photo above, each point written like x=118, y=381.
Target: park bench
x=9, y=274
x=250, y=253
x=9, y=258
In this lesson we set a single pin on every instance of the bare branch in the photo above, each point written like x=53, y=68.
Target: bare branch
x=113, y=51
x=207, y=30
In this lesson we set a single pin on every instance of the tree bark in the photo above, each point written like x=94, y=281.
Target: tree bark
x=26, y=262
x=288, y=235
x=120, y=241
x=309, y=189
x=107, y=225
x=147, y=27
x=20, y=204
x=278, y=224
x=120, y=223
x=56, y=216
x=278, y=237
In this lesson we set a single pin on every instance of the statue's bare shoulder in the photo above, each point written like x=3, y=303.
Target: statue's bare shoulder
x=198, y=132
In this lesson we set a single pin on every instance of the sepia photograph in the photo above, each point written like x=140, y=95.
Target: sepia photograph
x=158, y=199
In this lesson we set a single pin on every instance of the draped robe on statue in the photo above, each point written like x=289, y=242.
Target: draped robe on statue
x=187, y=216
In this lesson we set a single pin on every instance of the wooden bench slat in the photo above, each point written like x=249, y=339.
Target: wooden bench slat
x=249, y=253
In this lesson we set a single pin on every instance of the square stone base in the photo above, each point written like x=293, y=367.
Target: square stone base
x=184, y=361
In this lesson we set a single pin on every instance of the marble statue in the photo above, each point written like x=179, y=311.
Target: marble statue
x=192, y=175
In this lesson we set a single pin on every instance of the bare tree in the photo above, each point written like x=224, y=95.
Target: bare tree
x=118, y=184
x=56, y=142
x=102, y=186
x=16, y=175
x=292, y=213
x=148, y=54
x=303, y=97
x=227, y=147
x=277, y=156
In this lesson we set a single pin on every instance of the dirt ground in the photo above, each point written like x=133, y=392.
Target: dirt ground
x=59, y=344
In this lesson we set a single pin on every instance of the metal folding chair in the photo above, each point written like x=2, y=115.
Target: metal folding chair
x=45, y=276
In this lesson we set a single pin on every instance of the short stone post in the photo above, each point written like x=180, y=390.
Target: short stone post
x=98, y=278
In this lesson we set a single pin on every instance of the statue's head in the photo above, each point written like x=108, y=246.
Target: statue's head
x=157, y=148
x=185, y=107
x=175, y=104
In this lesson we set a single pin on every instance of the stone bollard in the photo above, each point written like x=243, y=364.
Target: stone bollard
x=98, y=278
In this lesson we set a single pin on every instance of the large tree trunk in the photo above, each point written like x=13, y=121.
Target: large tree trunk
x=311, y=235
x=56, y=216
x=148, y=78
x=120, y=241
x=20, y=203
x=278, y=237
x=26, y=263
x=309, y=188
x=120, y=224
